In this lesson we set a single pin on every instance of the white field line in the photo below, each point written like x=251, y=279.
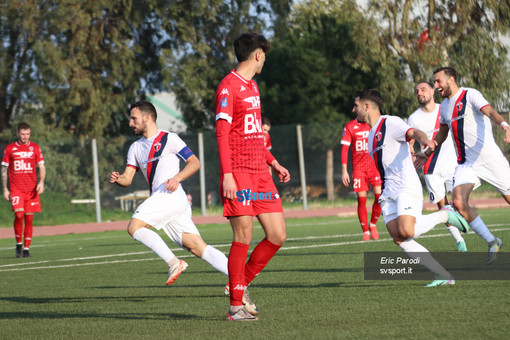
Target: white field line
x=216, y=246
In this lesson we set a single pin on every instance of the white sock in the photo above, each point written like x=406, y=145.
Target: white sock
x=154, y=242
x=216, y=259
x=415, y=250
x=455, y=233
x=425, y=223
x=481, y=229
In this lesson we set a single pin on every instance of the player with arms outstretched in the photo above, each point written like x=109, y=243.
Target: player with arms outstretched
x=364, y=172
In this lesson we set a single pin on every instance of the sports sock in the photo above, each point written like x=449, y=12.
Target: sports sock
x=154, y=242
x=376, y=209
x=455, y=233
x=18, y=226
x=415, y=250
x=260, y=256
x=481, y=229
x=236, y=263
x=216, y=259
x=425, y=223
x=362, y=213
x=29, y=229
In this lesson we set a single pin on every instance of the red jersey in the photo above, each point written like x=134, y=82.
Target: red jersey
x=238, y=104
x=22, y=160
x=356, y=133
x=267, y=141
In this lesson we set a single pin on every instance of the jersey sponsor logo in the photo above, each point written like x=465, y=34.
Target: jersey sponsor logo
x=24, y=154
x=20, y=165
x=224, y=102
x=254, y=101
x=251, y=124
x=224, y=92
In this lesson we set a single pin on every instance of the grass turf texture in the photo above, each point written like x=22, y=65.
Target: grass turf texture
x=107, y=286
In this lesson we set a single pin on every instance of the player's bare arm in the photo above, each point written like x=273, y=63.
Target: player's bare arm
x=497, y=119
x=346, y=179
x=282, y=173
x=125, y=179
x=42, y=177
x=192, y=166
x=7, y=193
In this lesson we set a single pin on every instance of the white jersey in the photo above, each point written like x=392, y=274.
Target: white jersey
x=442, y=160
x=157, y=157
x=470, y=128
x=388, y=145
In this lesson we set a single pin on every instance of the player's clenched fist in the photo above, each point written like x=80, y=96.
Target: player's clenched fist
x=114, y=176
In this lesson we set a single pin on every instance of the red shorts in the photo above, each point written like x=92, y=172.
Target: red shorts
x=360, y=180
x=256, y=194
x=26, y=201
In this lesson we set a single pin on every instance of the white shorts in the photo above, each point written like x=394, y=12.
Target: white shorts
x=404, y=204
x=496, y=173
x=170, y=212
x=438, y=185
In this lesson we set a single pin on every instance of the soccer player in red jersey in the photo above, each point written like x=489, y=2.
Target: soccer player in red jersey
x=364, y=172
x=247, y=189
x=19, y=165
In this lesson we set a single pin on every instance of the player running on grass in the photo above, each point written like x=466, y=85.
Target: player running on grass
x=243, y=170
x=364, y=172
x=467, y=114
x=402, y=199
x=439, y=169
x=157, y=155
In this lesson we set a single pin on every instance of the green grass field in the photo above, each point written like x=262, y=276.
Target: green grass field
x=107, y=286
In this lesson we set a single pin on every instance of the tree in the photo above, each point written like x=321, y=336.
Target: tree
x=463, y=34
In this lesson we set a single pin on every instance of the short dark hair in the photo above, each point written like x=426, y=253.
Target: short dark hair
x=425, y=82
x=266, y=121
x=23, y=126
x=246, y=43
x=146, y=107
x=449, y=71
x=371, y=95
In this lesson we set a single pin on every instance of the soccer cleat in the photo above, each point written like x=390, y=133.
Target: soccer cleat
x=440, y=281
x=26, y=253
x=455, y=219
x=373, y=233
x=241, y=315
x=461, y=246
x=249, y=306
x=366, y=236
x=19, y=250
x=175, y=271
x=493, y=250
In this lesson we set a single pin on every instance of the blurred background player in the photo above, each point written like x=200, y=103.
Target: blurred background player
x=20, y=161
x=467, y=114
x=440, y=167
x=402, y=193
x=364, y=172
x=243, y=168
x=157, y=155
x=266, y=127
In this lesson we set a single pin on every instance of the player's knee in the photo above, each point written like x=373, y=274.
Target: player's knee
x=278, y=238
x=460, y=204
x=19, y=215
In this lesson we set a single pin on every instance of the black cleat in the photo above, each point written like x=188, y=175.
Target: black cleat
x=19, y=250
x=26, y=253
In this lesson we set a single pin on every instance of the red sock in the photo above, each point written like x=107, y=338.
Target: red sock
x=29, y=229
x=18, y=226
x=362, y=213
x=263, y=252
x=236, y=262
x=376, y=209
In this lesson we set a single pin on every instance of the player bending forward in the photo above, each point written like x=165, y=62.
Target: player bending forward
x=402, y=199
x=157, y=155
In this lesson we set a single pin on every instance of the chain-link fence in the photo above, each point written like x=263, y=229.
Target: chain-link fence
x=70, y=167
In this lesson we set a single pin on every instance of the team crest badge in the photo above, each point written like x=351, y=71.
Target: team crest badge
x=224, y=102
x=459, y=106
x=378, y=136
x=157, y=147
